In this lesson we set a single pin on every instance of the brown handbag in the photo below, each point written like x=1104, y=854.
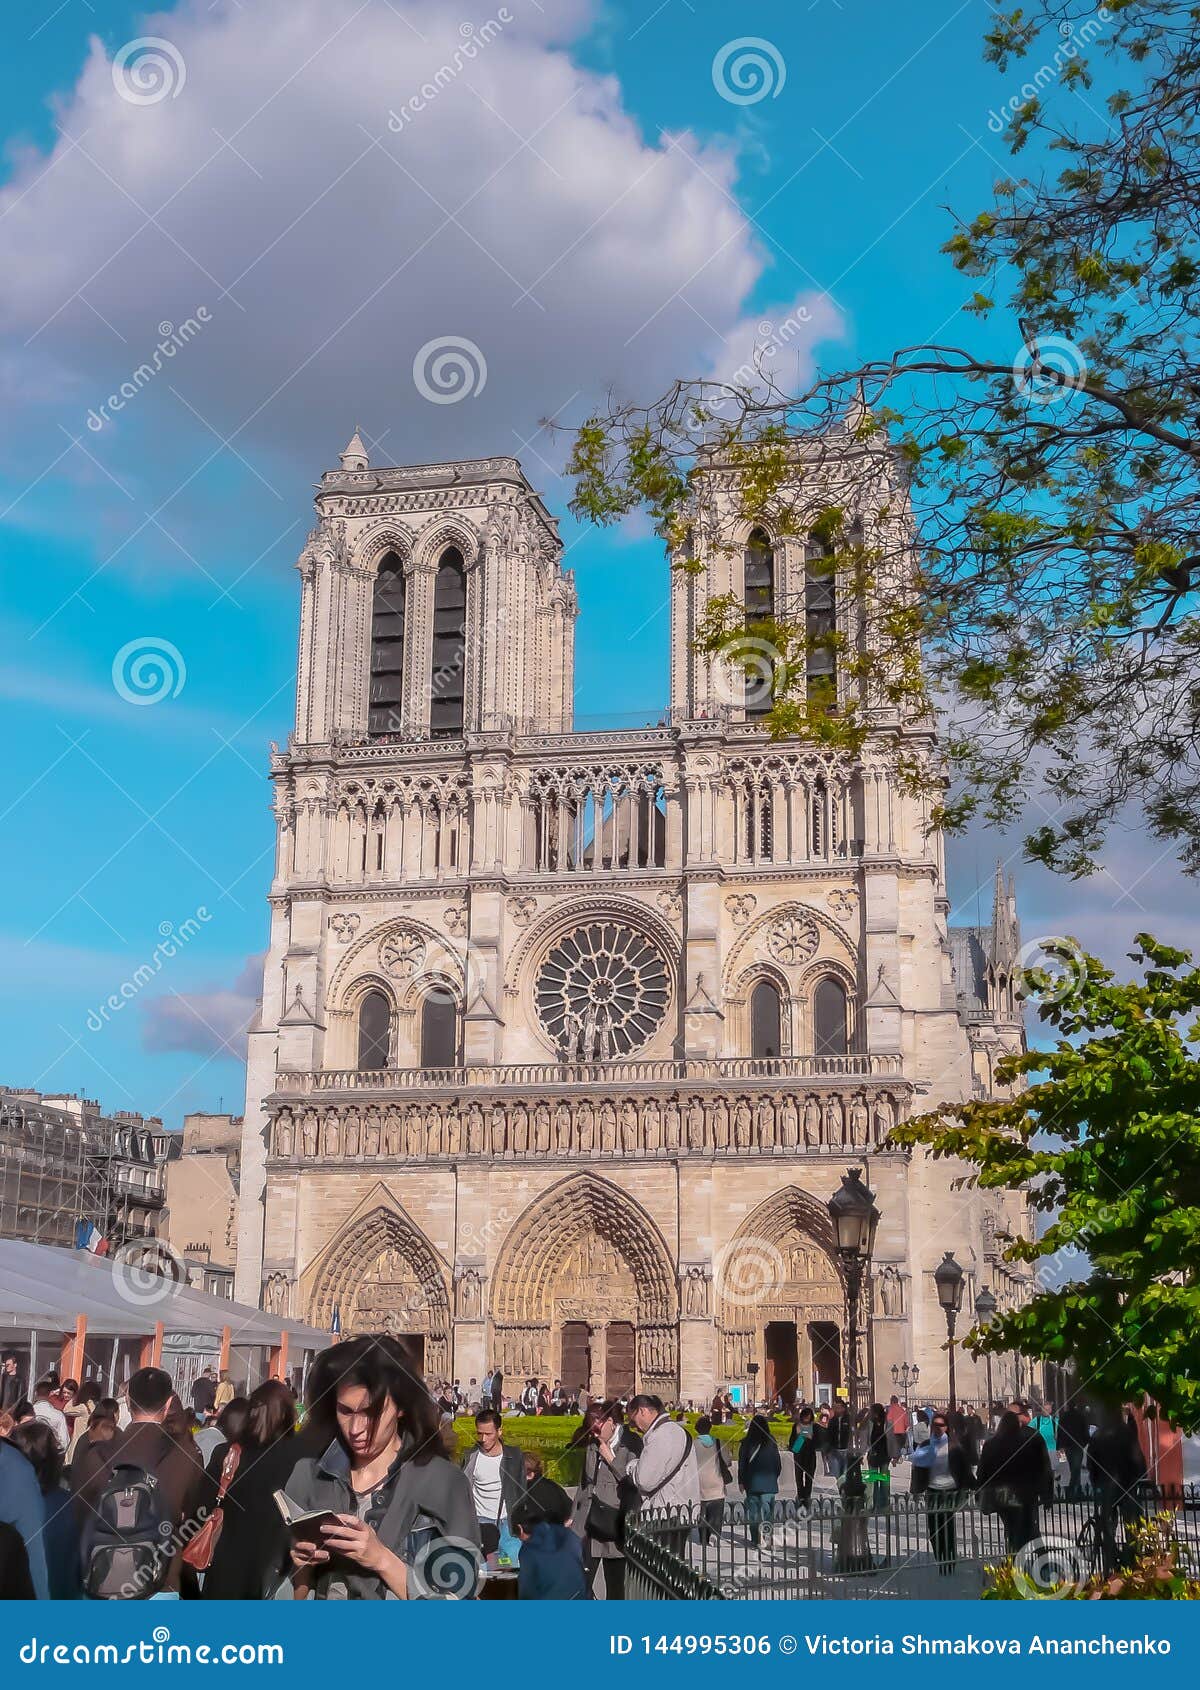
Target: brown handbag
x=200, y=1551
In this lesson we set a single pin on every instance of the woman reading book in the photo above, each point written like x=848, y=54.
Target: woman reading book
x=382, y=1513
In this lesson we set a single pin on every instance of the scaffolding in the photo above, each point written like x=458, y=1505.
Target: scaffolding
x=59, y=1168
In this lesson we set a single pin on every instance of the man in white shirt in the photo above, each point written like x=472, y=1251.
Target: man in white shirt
x=496, y=1473
x=45, y=1410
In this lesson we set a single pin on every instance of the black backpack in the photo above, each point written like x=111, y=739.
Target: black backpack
x=125, y=1545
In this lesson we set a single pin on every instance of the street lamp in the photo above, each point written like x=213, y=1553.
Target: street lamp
x=855, y=1217
x=950, y=1279
x=985, y=1313
x=904, y=1375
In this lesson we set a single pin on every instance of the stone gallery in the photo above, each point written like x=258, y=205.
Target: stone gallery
x=567, y=1038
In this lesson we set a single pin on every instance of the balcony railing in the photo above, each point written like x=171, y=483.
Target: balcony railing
x=690, y=1071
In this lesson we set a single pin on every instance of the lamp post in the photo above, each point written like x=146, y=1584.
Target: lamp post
x=950, y=1279
x=904, y=1375
x=855, y=1217
x=985, y=1313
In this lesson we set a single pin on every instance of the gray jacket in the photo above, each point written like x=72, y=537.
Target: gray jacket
x=600, y=1481
x=418, y=1502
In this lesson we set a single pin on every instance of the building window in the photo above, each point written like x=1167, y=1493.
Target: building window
x=385, y=704
x=759, y=599
x=831, y=1034
x=765, y=1020
x=449, y=646
x=820, y=627
x=439, y=1031
x=374, y=1031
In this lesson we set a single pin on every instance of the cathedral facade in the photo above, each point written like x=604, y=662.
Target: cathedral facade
x=567, y=1039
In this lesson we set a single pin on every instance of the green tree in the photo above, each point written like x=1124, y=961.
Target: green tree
x=1050, y=459
x=1107, y=1141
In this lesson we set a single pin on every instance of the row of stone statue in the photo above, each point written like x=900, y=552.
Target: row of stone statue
x=524, y=1352
x=637, y=1126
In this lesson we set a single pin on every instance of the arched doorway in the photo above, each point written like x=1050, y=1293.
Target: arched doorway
x=781, y=1300
x=381, y=1274
x=585, y=1280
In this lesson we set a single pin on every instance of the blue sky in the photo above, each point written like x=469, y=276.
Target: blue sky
x=583, y=205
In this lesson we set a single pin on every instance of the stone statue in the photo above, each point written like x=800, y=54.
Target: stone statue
x=498, y=1130
x=393, y=1134
x=695, y=1125
x=308, y=1133
x=812, y=1121
x=764, y=1124
x=453, y=1131
x=587, y=1127
x=835, y=1123
x=885, y=1117
x=520, y=1130
x=789, y=1124
x=474, y=1130
x=353, y=1134
x=541, y=1129
x=414, y=1133
x=608, y=1127
x=720, y=1124
x=333, y=1135
x=371, y=1134
x=283, y=1134
x=629, y=1128
x=695, y=1297
x=470, y=1295
x=652, y=1125
x=860, y=1121
x=562, y=1128
x=741, y=1126
x=671, y=1133
x=433, y=1132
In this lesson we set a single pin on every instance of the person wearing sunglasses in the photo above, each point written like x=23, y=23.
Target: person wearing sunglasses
x=941, y=1473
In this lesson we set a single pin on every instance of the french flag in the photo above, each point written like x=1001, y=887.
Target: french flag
x=89, y=1237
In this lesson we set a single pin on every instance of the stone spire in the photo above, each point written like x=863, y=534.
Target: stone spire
x=355, y=455
x=1006, y=936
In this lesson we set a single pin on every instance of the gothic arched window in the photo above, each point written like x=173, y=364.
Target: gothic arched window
x=831, y=1018
x=385, y=699
x=820, y=628
x=374, y=1031
x=439, y=1030
x=447, y=677
x=759, y=599
x=765, y=1020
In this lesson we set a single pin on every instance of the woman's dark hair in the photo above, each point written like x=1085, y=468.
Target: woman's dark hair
x=384, y=1368
x=271, y=1414
x=758, y=1432
x=39, y=1446
x=233, y=1420
x=878, y=1415
x=88, y=1392
x=593, y=1416
x=1008, y=1423
x=805, y=1415
x=703, y=1426
x=175, y=1423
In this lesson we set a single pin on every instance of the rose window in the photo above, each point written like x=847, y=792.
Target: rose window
x=602, y=992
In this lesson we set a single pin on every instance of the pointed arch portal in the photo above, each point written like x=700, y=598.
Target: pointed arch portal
x=585, y=1285
x=381, y=1274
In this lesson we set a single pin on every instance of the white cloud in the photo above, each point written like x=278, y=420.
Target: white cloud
x=520, y=208
x=213, y=1022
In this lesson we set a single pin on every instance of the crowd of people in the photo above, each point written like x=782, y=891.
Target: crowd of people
x=358, y=1490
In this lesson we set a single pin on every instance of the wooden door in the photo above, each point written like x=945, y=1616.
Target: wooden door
x=576, y=1355
x=620, y=1359
x=782, y=1351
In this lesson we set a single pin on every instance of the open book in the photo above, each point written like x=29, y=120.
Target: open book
x=301, y=1524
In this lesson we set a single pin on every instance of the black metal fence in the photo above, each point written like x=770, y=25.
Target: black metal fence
x=880, y=1548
